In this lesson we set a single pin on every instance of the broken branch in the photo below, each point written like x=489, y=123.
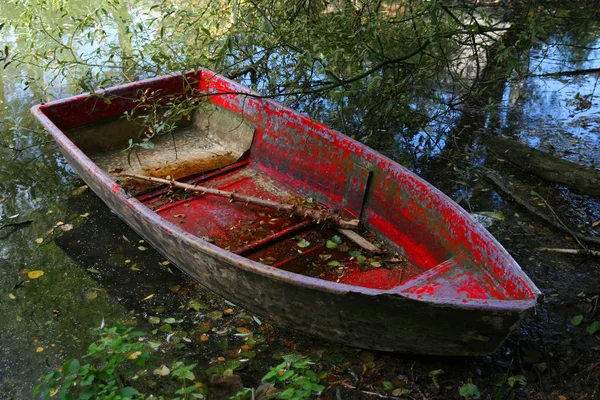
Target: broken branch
x=360, y=241
x=493, y=176
x=306, y=213
x=580, y=252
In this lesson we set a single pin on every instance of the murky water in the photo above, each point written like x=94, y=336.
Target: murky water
x=96, y=270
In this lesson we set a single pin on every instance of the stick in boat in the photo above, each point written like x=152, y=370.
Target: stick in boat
x=580, y=252
x=315, y=215
x=360, y=241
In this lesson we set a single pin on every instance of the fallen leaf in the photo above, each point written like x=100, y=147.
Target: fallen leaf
x=375, y=264
x=302, y=243
x=134, y=355
x=593, y=327
x=142, y=248
x=204, y=337
x=127, y=261
x=163, y=370
x=154, y=320
x=59, y=223
x=165, y=263
x=175, y=288
x=12, y=296
x=66, y=227
x=39, y=349
x=92, y=295
x=228, y=311
x=221, y=358
x=39, y=240
x=2, y=199
x=331, y=244
x=576, y=320
x=35, y=274
x=334, y=263
x=84, y=215
x=79, y=190
x=147, y=298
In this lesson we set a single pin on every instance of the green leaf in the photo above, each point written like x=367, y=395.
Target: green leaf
x=337, y=239
x=128, y=392
x=576, y=320
x=516, y=379
x=302, y=243
x=593, y=327
x=334, y=263
x=469, y=391
x=154, y=320
x=387, y=385
x=331, y=244
x=292, y=358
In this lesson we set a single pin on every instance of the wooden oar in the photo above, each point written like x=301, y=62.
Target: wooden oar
x=307, y=213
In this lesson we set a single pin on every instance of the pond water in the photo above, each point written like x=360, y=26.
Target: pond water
x=96, y=271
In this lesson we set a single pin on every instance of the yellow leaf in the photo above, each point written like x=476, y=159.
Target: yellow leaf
x=85, y=215
x=134, y=355
x=12, y=296
x=35, y=274
x=39, y=240
x=59, y=223
x=2, y=199
x=53, y=392
x=39, y=349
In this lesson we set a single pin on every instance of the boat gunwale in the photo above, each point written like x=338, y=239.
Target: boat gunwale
x=256, y=267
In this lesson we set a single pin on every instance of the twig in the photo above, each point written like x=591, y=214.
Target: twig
x=360, y=241
x=492, y=176
x=580, y=252
x=315, y=215
x=559, y=220
x=368, y=393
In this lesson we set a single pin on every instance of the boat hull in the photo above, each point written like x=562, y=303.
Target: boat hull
x=361, y=317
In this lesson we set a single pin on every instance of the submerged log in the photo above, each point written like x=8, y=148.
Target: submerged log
x=307, y=213
x=546, y=166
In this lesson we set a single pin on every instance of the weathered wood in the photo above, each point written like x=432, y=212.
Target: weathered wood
x=579, y=252
x=306, y=213
x=546, y=166
x=493, y=176
x=360, y=241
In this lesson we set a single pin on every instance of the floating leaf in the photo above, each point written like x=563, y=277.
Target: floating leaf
x=2, y=199
x=66, y=227
x=12, y=296
x=35, y=274
x=593, y=327
x=169, y=321
x=302, y=243
x=84, y=215
x=197, y=305
x=39, y=349
x=154, y=320
x=92, y=295
x=79, y=190
x=469, y=391
x=331, y=244
x=576, y=320
x=39, y=240
x=142, y=248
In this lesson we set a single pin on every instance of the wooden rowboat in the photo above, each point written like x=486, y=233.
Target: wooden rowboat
x=443, y=285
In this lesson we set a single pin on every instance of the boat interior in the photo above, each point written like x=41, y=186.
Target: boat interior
x=217, y=148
